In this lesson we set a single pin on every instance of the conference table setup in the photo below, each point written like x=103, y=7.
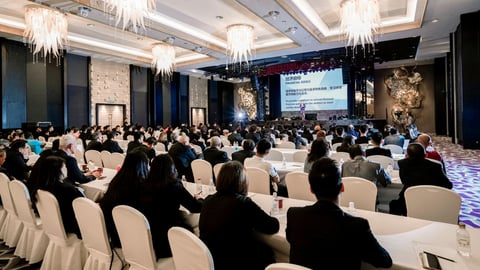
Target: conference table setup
x=403, y=237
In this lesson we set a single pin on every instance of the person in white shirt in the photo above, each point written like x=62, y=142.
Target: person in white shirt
x=258, y=161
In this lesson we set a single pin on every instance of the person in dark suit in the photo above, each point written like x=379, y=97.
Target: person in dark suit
x=15, y=163
x=183, y=155
x=376, y=149
x=229, y=220
x=137, y=141
x=363, y=135
x=95, y=143
x=253, y=134
x=246, y=152
x=213, y=154
x=67, y=148
x=322, y=236
x=338, y=136
x=110, y=145
x=416, y=170
x=160, y=198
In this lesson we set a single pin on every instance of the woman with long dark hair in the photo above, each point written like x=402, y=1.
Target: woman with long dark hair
x=320, y=148
x=160, y=200
x=48, y=174
x=229, y=220
x=124, y=189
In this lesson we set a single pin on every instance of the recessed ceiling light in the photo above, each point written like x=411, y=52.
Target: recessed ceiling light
x=219, y=17
x=435, y=20
x=90, y=25
x=273, y=14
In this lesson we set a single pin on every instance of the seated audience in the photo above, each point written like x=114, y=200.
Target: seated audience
x=322, y=236
x=67, y=148
x=320, y=148
x=183, y=155
x=229, y=221
x=298, y=140
x=258, y=161
x=124, y=189
x=394, y=138
x=35, y=145
x=247, y=151
x=160, y=199
x=213, y=154
x=137, y=141
x=376, y=142
x=416, y=170
x=359, y=166
x=110, y=145
x=338, y=136
x=16, y=161
x=346, y=143
x=49, y=173
x=426, y=141
x=363, y=135
x=253, y=134
x=95, y=142
x=351, y=131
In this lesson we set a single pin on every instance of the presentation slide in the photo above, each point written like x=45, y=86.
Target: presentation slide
x=317, y=90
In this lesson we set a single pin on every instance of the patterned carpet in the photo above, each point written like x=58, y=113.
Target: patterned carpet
x=463, y=169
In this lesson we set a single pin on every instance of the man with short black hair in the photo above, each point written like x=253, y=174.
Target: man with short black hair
x=110, y=145
x=246, y=152
x=376, y=141
x=322, y=236
x=416, y=170
x=394, y=138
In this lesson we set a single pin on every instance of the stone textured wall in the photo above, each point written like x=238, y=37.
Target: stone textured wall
x=110, y=84
x=198, y=93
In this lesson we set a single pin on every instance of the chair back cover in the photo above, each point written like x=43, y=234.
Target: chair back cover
x=298, y=186
x=189, y=252
x=135, y=236
x=360, y=191
x=80, y=156
x=115, y=160
x=395, y=149
x=335, y=146
x=274, y=155
x=217, y=168
x=300, y=156
x=285, y=266
x=382, y=160
x=94, y=156
x=288, y=145
x=12, y=227
x=202, y=170
x=339, y=156
x=433, y=203
x=258, y=181
x=33, y=242
x=49, y=211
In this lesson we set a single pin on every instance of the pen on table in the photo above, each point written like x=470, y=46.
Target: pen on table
x=441, y=257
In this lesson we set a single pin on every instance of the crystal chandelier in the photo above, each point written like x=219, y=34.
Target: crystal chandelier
x=131, y=11
x=163, y=59
x=240, y=38
x=46, y=30
x=359, y=21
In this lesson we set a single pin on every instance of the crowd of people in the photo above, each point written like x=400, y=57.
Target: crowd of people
x=229, y=218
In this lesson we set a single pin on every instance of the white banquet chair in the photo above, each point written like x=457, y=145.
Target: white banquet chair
x=12, y=226
x=106, y=158
x=91, y=221
x=160, y=147
x=116, y=159
x=189, y=252
x=202, y=170
x=229, y=150
x=285, y=266
x=33, y=241
x=94, y=156
x=136, y=239
x=64, y=251
x=382, y=160
x=80, y=156
x=433, y=203
x=298, y=186
x=299, y=156
x=340, y=157
x=258, y=180
x=335, y=146
x=395, y=149
x=274, y=155
x=216, y=169
x=287, y=145
x=360, y=191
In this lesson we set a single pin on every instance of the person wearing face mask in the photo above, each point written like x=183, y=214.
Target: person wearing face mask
x=15, y=163
x=67, y=148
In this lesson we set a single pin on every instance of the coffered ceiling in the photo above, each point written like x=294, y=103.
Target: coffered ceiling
x=197, y=28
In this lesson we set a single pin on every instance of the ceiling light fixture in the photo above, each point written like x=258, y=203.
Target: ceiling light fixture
x=163, y=59
x=240, y=42
x=130, y=11
x=46, y=30
x=291, y=30
x=273, y=14
x=359, y=21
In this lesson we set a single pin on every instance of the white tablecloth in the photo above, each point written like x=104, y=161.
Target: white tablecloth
x=95, y=189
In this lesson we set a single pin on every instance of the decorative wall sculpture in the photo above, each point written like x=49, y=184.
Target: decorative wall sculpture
x=247, y=102
x=403, y=87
